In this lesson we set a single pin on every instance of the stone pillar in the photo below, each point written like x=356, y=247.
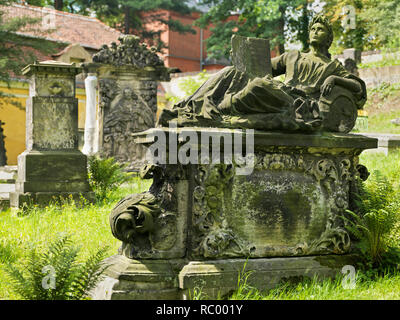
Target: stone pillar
x=128, y=73
x=3, y=155
x=352, y=57
x=91, y=134
x=353, y=54
x=52, y=166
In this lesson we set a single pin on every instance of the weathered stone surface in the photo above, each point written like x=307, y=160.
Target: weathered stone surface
x=251, y=56
x=219, y=278
x=52, y=123
x=42, y=199
x=129, y=52
x=290, y=204
x=128, y=279
x=278, y=210
x=156, y=233
x=387, y=143
x=52, y=166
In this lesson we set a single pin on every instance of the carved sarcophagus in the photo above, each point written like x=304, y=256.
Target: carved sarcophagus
x=288, y=202
x=224, y=200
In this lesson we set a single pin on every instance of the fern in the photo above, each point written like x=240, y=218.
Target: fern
x=73, y=280
x=375, y=218
x=105, y=175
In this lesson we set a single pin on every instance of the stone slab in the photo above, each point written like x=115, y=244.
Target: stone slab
x=7, y=187
x=52, y=123
x=266, y=139
x=51, y=171
x=386, y=142
x=219, y=278
x=21, y=200
x=128, y=279
x=8, y=173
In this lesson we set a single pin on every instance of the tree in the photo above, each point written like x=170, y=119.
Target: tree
x=58, y=4
x=276, y=20
x=131, y=16
x=16, y=51
x=347, y=37
x=382, y=23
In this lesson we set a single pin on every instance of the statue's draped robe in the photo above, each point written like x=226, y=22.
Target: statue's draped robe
x=232, y=99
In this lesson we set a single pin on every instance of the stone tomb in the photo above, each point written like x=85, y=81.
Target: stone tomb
x=51, y=166
x=200, y=224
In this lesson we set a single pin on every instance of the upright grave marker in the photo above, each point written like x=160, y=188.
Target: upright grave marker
x=51, y=166
x=128, y=73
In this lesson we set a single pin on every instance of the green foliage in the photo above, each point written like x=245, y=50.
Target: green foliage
x=383, y=23
x=105, y=175
x=88, y=225
x=387, y=60
x=73, y=280
x=17, y=51
x=244, y=290
x=131, y=16
x=7, y=251
x=384, y=91
x=189, y=85
x=277, y=20
x=346, y=38
x=375, y=220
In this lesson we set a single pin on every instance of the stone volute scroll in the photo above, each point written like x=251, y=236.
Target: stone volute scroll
x=127, y=81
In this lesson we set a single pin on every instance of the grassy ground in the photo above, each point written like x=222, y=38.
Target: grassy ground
x=383, y=288
x=382, y=106
x=89, y=228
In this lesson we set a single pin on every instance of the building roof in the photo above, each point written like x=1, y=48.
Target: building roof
x=70, y=28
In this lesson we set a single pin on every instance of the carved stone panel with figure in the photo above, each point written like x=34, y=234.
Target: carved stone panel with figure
x=128, y=74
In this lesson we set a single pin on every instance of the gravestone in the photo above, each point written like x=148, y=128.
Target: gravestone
x=353, y=54
x=51, y=167
x=352, y=57
x=127, y=75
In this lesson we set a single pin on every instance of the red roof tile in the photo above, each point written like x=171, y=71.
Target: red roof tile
x=70, y=28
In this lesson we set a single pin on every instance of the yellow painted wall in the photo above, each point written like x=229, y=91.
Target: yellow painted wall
x=15, y=118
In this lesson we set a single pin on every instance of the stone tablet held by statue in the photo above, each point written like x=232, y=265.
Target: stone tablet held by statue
x=251, y=56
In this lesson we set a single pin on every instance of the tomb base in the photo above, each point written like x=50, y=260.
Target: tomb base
x=46, y=176
x=281, y=209
x=128, y=279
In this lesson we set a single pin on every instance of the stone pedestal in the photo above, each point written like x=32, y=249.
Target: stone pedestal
x=51, y=166
x=129, y=279
x=280, y=207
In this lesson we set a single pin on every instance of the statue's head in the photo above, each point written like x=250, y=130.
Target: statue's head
x=321, y=32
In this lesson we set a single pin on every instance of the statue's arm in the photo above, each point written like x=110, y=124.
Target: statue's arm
x=349, y=84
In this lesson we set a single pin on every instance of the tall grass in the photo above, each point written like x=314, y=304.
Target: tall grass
x=90, y=229
x=88, y=226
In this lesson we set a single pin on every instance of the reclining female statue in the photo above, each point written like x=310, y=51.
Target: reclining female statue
x=317, y=94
